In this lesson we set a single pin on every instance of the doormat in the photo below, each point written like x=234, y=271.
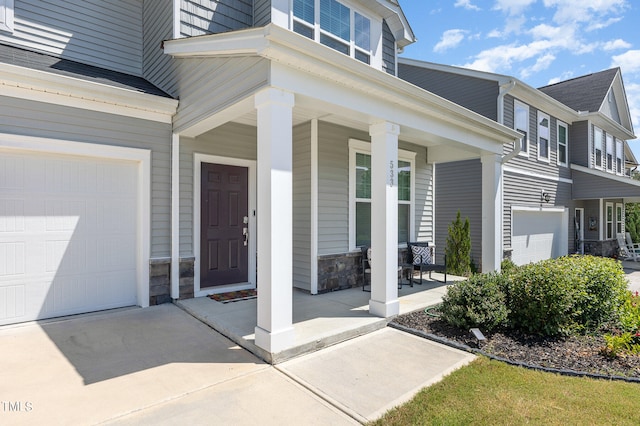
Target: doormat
x=234, y=296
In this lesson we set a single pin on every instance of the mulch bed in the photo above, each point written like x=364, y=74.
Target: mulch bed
x=578, y=354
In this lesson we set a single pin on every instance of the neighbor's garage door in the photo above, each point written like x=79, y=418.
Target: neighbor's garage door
x=538, y=235
x=67, y=235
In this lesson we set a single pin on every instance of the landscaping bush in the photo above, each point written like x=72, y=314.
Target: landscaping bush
x=458, y=248
x=477, y=302
x=565, y=295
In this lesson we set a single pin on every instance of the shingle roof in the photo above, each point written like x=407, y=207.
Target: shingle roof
x=585, y=93
x=41, y=62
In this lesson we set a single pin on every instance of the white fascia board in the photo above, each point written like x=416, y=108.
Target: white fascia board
x=298, y=52
x=236, y=43
x=521, y=90
x=606, y=175
x=25, y=83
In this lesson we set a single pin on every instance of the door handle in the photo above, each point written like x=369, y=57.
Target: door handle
x=245, y=234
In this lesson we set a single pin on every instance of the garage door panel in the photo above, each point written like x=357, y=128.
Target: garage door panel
x=68, y=236
x=537, y=235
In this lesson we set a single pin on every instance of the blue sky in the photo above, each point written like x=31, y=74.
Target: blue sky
x=538, y=41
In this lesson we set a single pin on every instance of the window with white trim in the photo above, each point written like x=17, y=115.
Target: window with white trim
x=360, y=194
x=6, y=15
x=609, y=157
x=619, y=157
x=563, y=144
x=609, y=217
x=543, y=136
x=619, y=219
x=521, y=124
x=597, y=147
x=335, y=25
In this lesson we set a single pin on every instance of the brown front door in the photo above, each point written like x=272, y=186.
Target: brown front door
x=224, y=214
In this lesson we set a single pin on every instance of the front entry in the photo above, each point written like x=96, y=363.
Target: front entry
x=224, y=213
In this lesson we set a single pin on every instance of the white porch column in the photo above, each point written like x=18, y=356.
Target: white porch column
x=384, y=219
x=175, y=216
x=491, y=212
x=274, y=330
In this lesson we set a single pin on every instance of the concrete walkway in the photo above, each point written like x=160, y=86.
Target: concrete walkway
x=159, y=365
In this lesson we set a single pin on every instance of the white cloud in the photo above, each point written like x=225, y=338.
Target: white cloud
x=592, y=11
x=616, y=44
x=542, y=63
x=449, y=40
x=628, y=61
x=513, y=7
x=598, y=25
x=466, y=4
x=633, y=98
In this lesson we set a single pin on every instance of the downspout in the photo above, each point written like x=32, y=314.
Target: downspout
x=517, y=146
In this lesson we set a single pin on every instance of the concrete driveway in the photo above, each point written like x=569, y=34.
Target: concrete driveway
x=117, y=366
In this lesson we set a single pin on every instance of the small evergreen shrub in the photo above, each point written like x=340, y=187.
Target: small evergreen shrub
x=477, y=302
x=507, y=266
x=565, y=295
x=458, y=248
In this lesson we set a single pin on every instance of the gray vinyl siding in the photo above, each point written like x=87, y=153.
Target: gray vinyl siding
x=458, y=186
x=29, y=118
x=579, y=143
x=199, y=17
x=302, y=206
x=333, y=187
x=524, y=191
x=229, y=140
x=475, y=94
x=588, y=186
x=388, y=50
x=158, y=26
x=610, y=107
x=104, y=33
x=261, y=12
x=531, y=163
x=209, y=85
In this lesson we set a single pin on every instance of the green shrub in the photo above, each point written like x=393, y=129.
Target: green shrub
x=621, y=345
x=507, y=266
x=476, y=302
x=565, y=295
x=629, y=314
x=458, y=248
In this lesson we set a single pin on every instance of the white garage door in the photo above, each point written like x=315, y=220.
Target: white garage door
x=538, y=235
x=67, y=235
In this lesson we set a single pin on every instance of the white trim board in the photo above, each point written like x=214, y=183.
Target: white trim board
x=518, y=171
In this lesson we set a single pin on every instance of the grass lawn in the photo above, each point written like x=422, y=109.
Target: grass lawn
x=492, y=392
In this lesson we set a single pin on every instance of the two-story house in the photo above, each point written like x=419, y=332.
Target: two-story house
x=166, y=149
x=564, y=184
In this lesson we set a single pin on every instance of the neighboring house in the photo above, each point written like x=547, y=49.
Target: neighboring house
x=567, y=181
x=292, y=144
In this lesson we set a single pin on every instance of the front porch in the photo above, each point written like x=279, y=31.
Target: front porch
x=318, y=320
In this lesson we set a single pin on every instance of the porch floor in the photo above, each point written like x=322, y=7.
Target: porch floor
x=318, y=320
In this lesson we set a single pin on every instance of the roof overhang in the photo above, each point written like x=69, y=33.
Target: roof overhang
x=41, y=86
x=609, y=125
x=396, y=19
x=297, y=53
x=591, y=184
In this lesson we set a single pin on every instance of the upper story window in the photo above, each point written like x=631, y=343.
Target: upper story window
x=597, y=147
x=521, y=124
x=335, y=25
x=619, y=157
x=610, y=154
x=6, y=15
x=563, y=140
x=543, y=136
